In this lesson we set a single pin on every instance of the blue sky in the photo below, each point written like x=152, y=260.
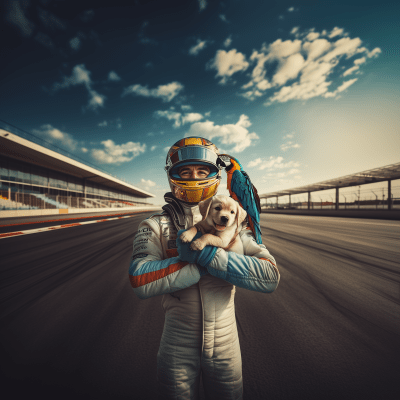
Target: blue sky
x=298, y=91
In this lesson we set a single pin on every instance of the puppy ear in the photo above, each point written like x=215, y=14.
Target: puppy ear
x=204, y=207
x=240, y=215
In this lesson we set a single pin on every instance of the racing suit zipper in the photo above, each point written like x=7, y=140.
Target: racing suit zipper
x=202, y=319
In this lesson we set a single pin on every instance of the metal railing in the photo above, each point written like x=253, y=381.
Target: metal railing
x=331, y=206
x=365, y=197
x=29, y=201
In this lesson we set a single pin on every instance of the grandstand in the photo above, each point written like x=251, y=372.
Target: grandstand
x=38, y=178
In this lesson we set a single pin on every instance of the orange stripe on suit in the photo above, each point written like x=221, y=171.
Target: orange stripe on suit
x=266, y=259
x=148, y=277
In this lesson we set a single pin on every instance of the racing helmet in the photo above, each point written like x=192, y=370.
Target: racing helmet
x=193, y=151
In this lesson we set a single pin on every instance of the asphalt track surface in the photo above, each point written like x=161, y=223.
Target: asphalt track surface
x=72, y=328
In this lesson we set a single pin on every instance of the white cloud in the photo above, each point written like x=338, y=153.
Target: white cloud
x=312, y=36
x=96, y=100
x=115, y=154
x=344, y=46
x=274, y=163
x=294, y=30
x=165, y=149
x=223, y=18
x=84, y=150
x=227, y=63
x=288, y=69
x=236, y=135
x=255, y=162
x=186, y=107
x=81, y=76
x=374, y=52
x=357, y=63
x=75, y=43
x=104, y=123
x=228, y=41
x=55, y=136
x=316, y=48
x=153, y=148
x=191, y=117
x=341, y=88
x=336, y=32
x=165, y=92
x=170, y=115
x=113, y=76
x=202, y=4
x=16, y=16
x=360, y=61
x=178, y=117
x=290, y=9
x=279, y=49
x=146, y=184
x=289, y=145
x=351, y=70
x=247, y=85
x=346, y=84
x=309, y=61
x=201, y=45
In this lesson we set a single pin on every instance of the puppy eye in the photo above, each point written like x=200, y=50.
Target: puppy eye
x=232, y=212
x=218, y=208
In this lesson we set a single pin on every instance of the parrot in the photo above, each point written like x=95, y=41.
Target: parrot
x=244, y=192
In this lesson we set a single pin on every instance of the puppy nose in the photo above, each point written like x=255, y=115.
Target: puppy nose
x=224, y=219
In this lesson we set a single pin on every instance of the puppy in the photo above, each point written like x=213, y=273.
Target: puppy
x=221, y=224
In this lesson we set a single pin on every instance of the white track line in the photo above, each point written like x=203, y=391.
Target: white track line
x=52, y=228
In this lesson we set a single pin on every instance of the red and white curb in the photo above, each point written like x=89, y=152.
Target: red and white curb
x=52, y=228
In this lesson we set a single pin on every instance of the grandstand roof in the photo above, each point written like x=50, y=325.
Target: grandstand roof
x=380, y=174
x=22, y=149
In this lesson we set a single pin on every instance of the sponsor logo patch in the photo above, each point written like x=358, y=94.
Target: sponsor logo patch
x=140, y=248
x=140, y=255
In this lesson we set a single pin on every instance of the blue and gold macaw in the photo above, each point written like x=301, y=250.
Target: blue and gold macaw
x=242, y=190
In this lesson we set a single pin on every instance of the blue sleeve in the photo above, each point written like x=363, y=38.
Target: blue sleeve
x=149, y=274
x=255, y=270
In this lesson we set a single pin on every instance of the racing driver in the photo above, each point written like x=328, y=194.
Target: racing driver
x=198, y=287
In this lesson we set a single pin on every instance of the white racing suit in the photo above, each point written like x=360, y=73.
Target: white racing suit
x=200, y=333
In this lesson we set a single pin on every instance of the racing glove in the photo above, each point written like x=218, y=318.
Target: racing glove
x=201, y=258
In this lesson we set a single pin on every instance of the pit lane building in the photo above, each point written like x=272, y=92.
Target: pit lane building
x=38, y=178
x=386, y=174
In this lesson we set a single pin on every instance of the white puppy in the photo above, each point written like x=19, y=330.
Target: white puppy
x=221, y=224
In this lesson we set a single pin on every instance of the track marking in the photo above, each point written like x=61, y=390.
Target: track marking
x=69, y=219
x=55, y=227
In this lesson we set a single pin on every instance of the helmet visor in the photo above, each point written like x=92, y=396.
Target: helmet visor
x=193, y=153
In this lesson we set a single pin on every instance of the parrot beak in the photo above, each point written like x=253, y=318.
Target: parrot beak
x=220, y=163
x=225, y=161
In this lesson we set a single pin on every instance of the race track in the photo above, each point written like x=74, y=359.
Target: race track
x=71, y=327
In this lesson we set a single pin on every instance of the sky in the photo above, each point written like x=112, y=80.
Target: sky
x=298, y=91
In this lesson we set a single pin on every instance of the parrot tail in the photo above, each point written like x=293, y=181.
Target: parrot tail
x=255, y=228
